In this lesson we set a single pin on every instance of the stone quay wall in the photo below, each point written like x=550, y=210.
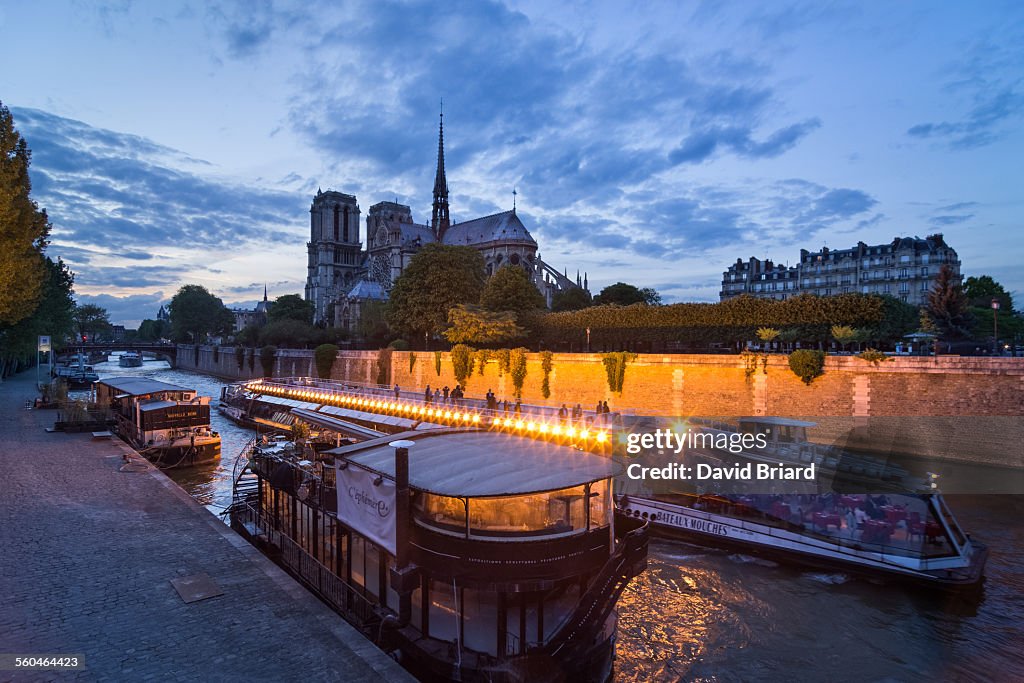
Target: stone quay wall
x=960, y=408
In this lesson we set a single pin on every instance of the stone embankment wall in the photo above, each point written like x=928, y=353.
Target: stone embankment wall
x=957, y=407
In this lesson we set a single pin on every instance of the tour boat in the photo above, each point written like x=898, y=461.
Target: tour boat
x=468, y=554
x=76, y=372
x=130, y=359
x=167, y=423
x=893, y=525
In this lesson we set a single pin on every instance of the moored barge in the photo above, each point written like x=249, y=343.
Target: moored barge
x=473, y=555
x=168, y=424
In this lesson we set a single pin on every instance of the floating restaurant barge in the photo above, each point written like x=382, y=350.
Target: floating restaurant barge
x=472, y=554
x=168, y=424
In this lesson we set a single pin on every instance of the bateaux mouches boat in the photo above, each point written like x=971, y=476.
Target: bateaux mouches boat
x=470, y=553
x=130, y=359
x=167, y=423
x=894, y=526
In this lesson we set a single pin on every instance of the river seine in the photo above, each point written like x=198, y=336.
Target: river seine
x=705, y=615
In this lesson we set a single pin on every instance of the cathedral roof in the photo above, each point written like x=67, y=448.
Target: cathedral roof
x=504, y=226
x=368, y=289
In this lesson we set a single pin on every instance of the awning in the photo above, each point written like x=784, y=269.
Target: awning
x=336, y=425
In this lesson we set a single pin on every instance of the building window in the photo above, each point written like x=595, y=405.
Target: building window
x=345, y=231
x=336, y=214
x=924, y=272
x=904, y=286
x=903, y=272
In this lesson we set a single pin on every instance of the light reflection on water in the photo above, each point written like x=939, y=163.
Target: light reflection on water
x=705, y=615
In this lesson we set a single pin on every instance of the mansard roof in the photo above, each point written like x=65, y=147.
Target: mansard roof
x=503, y=226
x=368, y=289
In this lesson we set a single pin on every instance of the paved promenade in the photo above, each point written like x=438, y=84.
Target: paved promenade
x=87, y=555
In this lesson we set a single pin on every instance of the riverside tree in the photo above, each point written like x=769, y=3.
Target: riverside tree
x=438, y=278
x=90, y=320
x=623, y=294
x=947, y=305
x=25, y=228
x=196, y=313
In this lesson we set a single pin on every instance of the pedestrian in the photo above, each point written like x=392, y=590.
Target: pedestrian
x=598, y=410
x=445, y=393
x=437, y=395
x=427, y=394
x=506, y=406
x=605, y=409
x=397, y=392
x=519, y=407
x=563, y=413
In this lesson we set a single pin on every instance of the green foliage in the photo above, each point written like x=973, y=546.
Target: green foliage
x=372, y=326
x=807, y=364
x=437, y=363
x=844, y=334
x=383, y=366
x=299, y=431
x=510, y=289
x=982, y=289
x=733, y=320
x=926, y=324
x=546, y=359
x=399, y=345
x=23, y=229
x=291, y=307
x=473, y=324
x=482, y=358
x=750, y=359
x=572, y=299
x=768, y=334
x=53, y=316
x=622, y=294
x=437, y=278
x=153, y=330
x=615, y=368
x=90, y=320
x=288, y=333
x=195, y=313
x=267, y=355
x=504, y=357
x=947, y=305
x=462, y=362
x=873, y=356
x=324, y=356
x=517, y=369
x=240, y=356
x=412, y=362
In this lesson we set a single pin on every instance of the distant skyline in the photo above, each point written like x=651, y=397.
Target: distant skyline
x=652, y=143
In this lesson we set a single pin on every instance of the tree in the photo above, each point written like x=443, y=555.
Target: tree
x=25, y=228
x=53, y=317
x=91, y=319
x=291, y=307
x=153, y=330
x=510, y=289
x=325, y=355
x=625, y=295
x=947, y=305
x=473, y=325
x=572, y=299
x=196, y=313
x=768, y=334
x=438, y=278
x=288, y=333
x=982, y=289
x=844, y=335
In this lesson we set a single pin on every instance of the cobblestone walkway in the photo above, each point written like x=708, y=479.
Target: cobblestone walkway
x=86, y=558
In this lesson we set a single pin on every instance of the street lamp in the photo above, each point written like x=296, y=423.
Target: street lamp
x=588, y=340
x=995, y=326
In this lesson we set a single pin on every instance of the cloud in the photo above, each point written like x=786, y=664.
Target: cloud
x=701, y=145
x=126, y=310
x=942, y=221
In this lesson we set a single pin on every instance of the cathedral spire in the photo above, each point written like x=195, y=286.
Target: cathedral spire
x=439, y=220
x=264, y=291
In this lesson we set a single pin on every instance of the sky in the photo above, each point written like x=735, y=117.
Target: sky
x=651, y=143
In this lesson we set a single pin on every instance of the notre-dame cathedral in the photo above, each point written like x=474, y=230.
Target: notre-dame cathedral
x=342, y=276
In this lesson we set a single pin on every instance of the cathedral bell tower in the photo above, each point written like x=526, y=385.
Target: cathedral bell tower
x=334, y=251
x=439, y=221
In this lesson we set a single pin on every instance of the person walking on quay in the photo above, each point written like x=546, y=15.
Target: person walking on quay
x=427, y=395
x=437, y=395
x=492, y=402
x=397, y=392
x=445, y=393
x=506, y=406
x=598, y=410
x=604, y=408
x=519, y=407
x=563, y=413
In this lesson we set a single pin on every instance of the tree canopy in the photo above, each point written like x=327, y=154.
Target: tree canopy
x=474, y=325
x=982, y=289
x=623, y=294
x=25, y=228
x=947, y=305
x=53, y=317
x=291, y=307
x=572, y=299
x=438, y=278
x=510, y=289
x=153, y=330
x=90, y=320
x=196, y=313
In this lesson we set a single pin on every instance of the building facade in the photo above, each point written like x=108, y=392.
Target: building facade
x=252, y=317
x=342, y=276
x=905, y=268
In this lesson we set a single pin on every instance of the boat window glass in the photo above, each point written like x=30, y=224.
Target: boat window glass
x=600, y=504
x=555, y=512
x=951, y=522
x=559, y=602
x=443, y=512
x=372, y=556
x=444, y=620
x=480, y=620
x=358, y=560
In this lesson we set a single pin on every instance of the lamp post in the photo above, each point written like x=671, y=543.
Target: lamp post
x=995, y=326
x=588, y=340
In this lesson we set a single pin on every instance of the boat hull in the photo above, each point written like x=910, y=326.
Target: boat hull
x=184, y=455
x=718, y=531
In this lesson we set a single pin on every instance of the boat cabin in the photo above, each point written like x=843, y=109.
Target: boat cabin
x=147, y=409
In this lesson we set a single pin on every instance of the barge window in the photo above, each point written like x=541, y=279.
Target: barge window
x=480, y=620
x=444, y=620
x=358, y=546
x=558, y=603
x=372, y=569
x=600, y=509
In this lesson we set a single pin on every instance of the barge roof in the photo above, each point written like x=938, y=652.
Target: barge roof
x=479, y=464
x=137, y=386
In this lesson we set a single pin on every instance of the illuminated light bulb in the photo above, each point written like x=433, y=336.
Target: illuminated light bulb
x=457, y=416
x=544, y=428
x=476, y=418
x=447, y=414
x=430, y=413
x=601, y=437
x=507, y=422
x=556, y=430
x=519, y=424
x=584, y=434
x=530, y=426
x=570, y=432
x=497, y=421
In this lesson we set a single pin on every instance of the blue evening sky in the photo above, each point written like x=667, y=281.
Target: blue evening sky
x=649, y=142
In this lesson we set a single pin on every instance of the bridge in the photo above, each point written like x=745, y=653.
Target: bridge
x=169, y=352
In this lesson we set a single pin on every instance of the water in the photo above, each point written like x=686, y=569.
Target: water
x=705, y=615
